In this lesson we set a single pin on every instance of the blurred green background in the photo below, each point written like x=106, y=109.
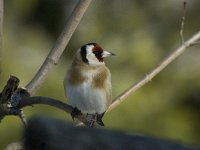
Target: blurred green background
x=141, y=33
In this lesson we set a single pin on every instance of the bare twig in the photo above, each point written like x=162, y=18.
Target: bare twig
x=59, y=46
x=183, y=22
x=45, y=100
x=52, y=102
x=155, y=71
x=23, y=118
x=195, y=43
x=12, y=99
x=1, y=30
x=5, y=110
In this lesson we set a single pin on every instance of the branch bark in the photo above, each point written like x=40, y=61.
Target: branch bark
x=59, y=46
x=183, y=22
x=51, y=102
x=1, y=31
x=12, y=99
x=194, y=39
x=45, y=100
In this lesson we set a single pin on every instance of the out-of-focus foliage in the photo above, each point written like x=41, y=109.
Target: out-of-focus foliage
x=141, y=33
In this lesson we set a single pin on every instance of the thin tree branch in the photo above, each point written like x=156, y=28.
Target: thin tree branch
x=45, y=100
x=59, y=46
x=195, y=38
x=12, y=99
x=183, y=23
x=51, y=102
x=1, y=31
x=23, y=118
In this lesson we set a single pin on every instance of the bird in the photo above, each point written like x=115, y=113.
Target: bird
x=87, y=83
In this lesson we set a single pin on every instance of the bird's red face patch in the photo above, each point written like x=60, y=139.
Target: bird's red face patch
x=97, y=50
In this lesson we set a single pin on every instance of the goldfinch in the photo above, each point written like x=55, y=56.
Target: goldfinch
x=87, y=83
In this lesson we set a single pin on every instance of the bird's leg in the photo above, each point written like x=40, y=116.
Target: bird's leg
x=99, y=119
x=92, y=119
x=75, y=112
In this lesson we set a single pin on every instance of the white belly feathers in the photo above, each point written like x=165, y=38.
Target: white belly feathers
x=86, y=98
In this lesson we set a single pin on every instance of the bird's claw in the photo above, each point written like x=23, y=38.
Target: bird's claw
x=75, y=112
x=94, y=118
x=99, y=120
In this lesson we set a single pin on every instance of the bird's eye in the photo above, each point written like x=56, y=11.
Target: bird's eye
x=97, y=53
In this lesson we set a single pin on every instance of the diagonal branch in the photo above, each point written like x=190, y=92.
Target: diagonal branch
x=59, y=46
x=195, y=38
x=1, y=30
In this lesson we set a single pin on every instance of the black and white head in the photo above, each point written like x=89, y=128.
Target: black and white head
x=93, y=54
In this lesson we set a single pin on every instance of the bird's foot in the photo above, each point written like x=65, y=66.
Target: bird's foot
x=75, y=112
x=99, y=119
x=91, y=119
x=95, y=118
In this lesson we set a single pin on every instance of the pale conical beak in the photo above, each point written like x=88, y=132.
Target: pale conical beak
x=106, y=54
